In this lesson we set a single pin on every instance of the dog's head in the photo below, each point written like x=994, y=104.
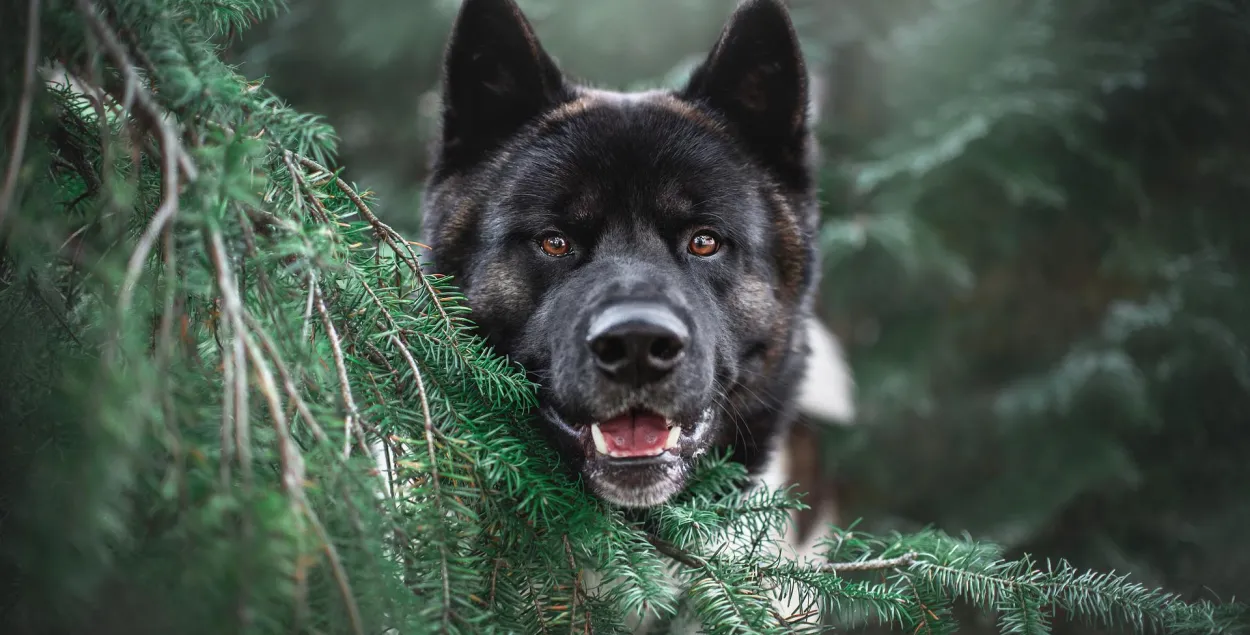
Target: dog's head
x=646, y=256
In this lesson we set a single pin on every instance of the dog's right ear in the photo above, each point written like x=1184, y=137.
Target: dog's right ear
x=496, y=78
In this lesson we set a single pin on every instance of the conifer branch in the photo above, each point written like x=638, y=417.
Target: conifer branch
x=390, y=236
x=22, y=126
x=577, y=585
x=538, y=608
x=345, y=388
x=288, y=382
x=434, y=478
x=175, y=161
x=676, y=553
x=877, y=564
x=292, y=464
x=235, y=361
x=482, y=507
x=690, y=560
x=336, y=568
x=298, y=185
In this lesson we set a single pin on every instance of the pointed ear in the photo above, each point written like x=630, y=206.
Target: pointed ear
x=496, y=78
x=756, y=79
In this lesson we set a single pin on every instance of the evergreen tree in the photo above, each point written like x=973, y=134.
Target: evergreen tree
x=206, y=328
x=1034, y=250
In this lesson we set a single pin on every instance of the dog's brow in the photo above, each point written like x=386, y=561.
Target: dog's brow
x=592, y=99
x=672, y=199
x=581, y=207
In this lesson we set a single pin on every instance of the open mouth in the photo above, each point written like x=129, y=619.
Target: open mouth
x=635, y=434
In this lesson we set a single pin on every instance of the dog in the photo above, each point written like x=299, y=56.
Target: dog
x=649, y=258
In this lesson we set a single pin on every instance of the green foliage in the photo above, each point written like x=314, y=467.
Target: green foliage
x=1032, y=249
x=210, y=332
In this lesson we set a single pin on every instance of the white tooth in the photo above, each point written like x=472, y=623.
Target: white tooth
x=674, y=435
x=601, y=444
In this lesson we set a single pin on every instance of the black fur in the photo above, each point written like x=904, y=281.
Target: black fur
x=628, y=179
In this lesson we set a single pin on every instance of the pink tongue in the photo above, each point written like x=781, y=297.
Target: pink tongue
x=635, y=435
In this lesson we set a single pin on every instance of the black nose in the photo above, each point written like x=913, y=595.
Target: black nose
x=637, y=343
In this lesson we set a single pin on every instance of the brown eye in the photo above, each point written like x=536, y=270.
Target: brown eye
x=555, y=245
x=704, y=244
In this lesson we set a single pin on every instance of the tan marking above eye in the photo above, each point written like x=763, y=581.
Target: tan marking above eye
x=555, y=245
x=704, y=243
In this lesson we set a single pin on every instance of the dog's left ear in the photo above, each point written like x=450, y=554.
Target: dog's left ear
x=756, y=79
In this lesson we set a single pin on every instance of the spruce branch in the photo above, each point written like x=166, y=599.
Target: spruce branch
x=875, y=564
x=298, y=185
x=22, y=126
x=288, y=382
x=345, y=388
x=292, y=463
x=676, y=553
x=475, y=505
x=577, y=586
x=235, y=361
x=336, y=567
x=390, y=236
x=175, y=161
x=538, y=608
x=434, y=478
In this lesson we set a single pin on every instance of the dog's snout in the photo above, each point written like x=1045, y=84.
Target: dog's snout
x=637, y=343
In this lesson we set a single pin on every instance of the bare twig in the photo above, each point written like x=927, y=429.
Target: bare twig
x=336, y=346
x=242, y=431
x=227, y=411
x=494, y=578
x=878, y=564
x=165, y=335
x=22, y=127
x=312, y=287
x=577, y=587
x=694, y=562
x=232, y=311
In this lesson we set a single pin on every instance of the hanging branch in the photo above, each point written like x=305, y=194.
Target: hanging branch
x=22, y=127
x=174, y=160
x=434, y=479
x=390, y=236
x=298, y=184
x=292, y=463
x=288, y=383
x=336, y=346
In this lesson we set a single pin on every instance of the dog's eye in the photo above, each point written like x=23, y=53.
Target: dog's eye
x=555, y=245
x=704, y=244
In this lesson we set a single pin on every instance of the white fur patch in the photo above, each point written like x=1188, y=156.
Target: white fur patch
x=827, y=391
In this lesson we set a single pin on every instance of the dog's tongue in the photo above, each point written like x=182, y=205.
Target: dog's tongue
x=635, y=435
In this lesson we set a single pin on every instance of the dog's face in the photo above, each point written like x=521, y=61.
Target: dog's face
x=646, y=257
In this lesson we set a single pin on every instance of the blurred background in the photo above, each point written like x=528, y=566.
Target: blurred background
x=1035, y=243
